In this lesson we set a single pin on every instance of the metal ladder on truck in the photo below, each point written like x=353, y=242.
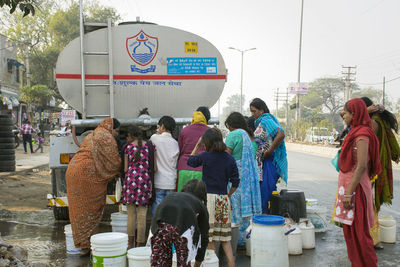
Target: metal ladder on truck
x=86, y=27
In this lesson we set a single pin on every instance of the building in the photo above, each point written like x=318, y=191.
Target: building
x=12, y=75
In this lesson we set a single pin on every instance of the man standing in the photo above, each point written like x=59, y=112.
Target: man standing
x=26, y=131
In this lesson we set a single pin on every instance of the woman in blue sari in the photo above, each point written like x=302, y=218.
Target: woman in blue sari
x=246, y=201
x=271, y=152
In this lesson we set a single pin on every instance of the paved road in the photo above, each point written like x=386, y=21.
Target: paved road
x=315, y=175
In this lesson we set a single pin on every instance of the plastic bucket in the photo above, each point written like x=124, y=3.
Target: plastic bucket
x=387, y=229
x=269, y=244
x=119, y=222
x=295, y=242
x=109, y=249
x=307, y=235
x=139, y=257
x=210, y=260
x=317, y=216
x=69, y=241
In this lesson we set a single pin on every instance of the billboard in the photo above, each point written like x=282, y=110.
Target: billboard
x=298, y=88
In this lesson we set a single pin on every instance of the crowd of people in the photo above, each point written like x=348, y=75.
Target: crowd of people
x=197, y=188
x=365, y=176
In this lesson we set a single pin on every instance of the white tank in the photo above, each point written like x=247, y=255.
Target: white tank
x=169, y=71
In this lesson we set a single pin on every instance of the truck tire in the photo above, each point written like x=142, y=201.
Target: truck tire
x=7, y=140
x=6, y=121
x=5, y=116
x=7, y=151
x=7, y=157
x=61, y=213
x=7, y=146
x=8, y=134
x=10, y=168
x=7, y=163
x=5, y=128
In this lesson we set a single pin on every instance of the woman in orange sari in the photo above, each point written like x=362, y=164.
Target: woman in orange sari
x=95, y=164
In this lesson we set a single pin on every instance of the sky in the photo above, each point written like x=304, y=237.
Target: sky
x=336, y=33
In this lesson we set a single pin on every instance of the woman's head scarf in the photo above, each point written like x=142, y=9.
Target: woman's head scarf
x=360, y=125
x=199, y=118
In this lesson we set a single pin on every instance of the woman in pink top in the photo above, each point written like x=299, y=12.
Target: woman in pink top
x=358, y=162
x=187, y=141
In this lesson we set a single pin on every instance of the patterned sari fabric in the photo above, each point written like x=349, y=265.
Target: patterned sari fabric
x=246, y=200
x=389, y=150
x=271, y=126
x=219, y=210
x=95, y=164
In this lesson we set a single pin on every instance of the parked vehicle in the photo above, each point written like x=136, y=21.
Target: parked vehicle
x=127, y=68
x=319, y=135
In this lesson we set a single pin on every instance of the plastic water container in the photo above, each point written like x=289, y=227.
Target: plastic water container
x=210, y=260
x=248, y=244
x=295, y=242
x=307, y=235
x=269, y=245
x=119, y=222
x=387, y=229
x=109, y=249
x=317, y=215
x=139, y=257
x=69, y=241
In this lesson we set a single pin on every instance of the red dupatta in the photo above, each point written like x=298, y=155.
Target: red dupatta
x=360, y=125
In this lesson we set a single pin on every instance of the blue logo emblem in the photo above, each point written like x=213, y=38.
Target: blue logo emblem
x=142, y=48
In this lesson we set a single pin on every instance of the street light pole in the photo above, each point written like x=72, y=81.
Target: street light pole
x=298, y=112
x=241, y=74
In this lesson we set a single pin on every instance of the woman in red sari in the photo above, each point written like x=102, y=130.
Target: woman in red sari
x=359, y=160
x=95, y=164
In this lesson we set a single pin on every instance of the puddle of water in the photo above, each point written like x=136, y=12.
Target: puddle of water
x=45, y=243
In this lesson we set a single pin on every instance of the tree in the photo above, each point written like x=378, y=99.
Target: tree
x=52, y=28
x=38, y=94
x=232, y=104
x=25, y=6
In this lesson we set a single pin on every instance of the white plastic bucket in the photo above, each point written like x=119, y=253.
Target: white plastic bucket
x=119, y=222
x=109, y=249
x=139, y=257
x=69, y=241
x=295, y=242
x=210, y=260
x=307, y=235
x=317, y=216
x=269, y=244
x=387, y=229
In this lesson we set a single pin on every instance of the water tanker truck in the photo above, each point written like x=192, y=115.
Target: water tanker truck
x=116, y=71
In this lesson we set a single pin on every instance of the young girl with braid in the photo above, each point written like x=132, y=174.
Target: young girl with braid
x=137, y=187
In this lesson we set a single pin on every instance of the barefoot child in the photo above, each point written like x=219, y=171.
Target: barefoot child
x=218, y=169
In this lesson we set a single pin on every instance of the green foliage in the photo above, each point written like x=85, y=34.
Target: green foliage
x=26, y=6
x=56, y=23
x=38, y=94
x=232, y=104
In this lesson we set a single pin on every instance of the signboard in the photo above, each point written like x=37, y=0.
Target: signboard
x=67, y=115
x=298, y=88
x=191, y=65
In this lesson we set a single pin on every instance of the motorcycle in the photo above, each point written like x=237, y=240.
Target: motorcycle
x=16, y=136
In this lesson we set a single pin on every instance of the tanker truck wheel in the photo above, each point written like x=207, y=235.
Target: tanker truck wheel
x=61, y=213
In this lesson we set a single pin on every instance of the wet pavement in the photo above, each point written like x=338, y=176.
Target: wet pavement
x=45, y=240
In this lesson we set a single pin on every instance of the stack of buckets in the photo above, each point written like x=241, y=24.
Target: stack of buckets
x=109, y=249
x=119, y=222
x=69, y=241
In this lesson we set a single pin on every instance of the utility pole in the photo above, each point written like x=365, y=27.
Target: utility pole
x=348, y=79
x=383, y=91
x=276, y=103
x=283, y=97
x=298, y=112
x=28, y=71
